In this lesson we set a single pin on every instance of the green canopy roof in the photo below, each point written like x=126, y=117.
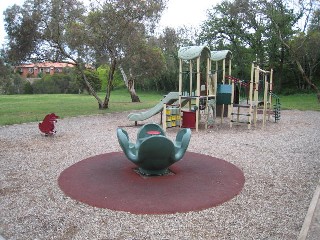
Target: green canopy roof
x=192, y=52
x=220, y=55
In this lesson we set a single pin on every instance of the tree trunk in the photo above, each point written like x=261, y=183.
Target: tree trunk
x=134, y=96
x=130, y=85
x=307, y=79
x=300, y=68
x=105, y=104
x=78, y=66
x=90, y=88
x=280, y=80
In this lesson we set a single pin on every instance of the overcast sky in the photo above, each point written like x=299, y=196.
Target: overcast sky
x=178, y=13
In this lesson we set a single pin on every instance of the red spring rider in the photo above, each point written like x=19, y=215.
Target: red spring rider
x=47, y=125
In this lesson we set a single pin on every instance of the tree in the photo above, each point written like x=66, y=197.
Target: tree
x=169, y=42
x=65, y=31
x=21, y=25
x=145, y=62
x=10, y=83
x=279, y=17
x=115, y=28
x=268, y=31
x=282, y=22
x=240, y=27
x=47, y=31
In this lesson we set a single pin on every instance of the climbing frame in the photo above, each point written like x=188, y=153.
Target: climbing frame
x=195, y=60
x=248, y=109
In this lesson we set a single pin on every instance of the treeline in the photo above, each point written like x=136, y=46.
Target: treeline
x=279, y=34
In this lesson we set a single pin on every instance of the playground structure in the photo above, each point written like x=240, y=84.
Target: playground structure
x=208, y=90
x=199, y=75
x=254, y=97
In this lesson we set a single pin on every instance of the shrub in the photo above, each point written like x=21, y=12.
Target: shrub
x=56, y=83
x=103, y=73
x=93, y=79
x=28, y=89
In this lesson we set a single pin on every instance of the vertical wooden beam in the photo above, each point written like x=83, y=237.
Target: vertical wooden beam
x=190, y=82
x=164, y=117
x=229, y=69
x=270, y=93
x=250, y=95
x=230, y=107
x=265, y=97
x=256, y=94
x=208, y=70
x=180, y=87
x=198, y=94
x=230, y=110
x=180, y=77
x=223, y=71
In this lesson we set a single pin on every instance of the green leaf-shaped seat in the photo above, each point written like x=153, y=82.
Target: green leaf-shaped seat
x=154, y=153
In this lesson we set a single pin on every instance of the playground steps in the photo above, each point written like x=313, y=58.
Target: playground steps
x=246, y=116
x=240, y=122
x=241, y=114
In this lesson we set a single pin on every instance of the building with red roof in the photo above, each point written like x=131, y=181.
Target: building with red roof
x=32, y=70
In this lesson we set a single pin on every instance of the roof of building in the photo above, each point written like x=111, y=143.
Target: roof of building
x=46, y=65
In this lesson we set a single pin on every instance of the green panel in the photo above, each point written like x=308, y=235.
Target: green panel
x=224, y=92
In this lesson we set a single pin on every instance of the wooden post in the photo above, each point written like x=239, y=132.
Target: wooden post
x=223, y=82
x=198, y=94
x=230, y=107
x=256, y=95
x=164, y=117
x=270, y=93
x=180, y=87
x=265, y=97
x=229, y=70
x=190, y=81
x=223, y=70
x=215, y=85
x=206, y=111
x=250, y=95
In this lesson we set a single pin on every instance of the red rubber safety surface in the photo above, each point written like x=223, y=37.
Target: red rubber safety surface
x=110, y=181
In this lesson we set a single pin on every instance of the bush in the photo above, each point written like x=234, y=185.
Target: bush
x=93, y=79
x=103, y=73
x=28, y=89
x=68, y=82
x=56, y=83
x=12, y=84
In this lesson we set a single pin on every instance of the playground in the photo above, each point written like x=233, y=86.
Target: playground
x=207, y=89
x=280, y=163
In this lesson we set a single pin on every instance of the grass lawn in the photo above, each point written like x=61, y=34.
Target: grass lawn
x=302, y=102
x=32, y=108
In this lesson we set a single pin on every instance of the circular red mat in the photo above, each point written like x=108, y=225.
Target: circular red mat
x=110, y=181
